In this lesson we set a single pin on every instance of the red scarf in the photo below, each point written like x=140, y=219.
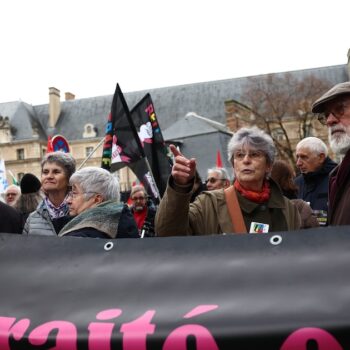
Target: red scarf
x=257, y=197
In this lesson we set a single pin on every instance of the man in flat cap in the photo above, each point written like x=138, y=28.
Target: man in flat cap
x=333, y=109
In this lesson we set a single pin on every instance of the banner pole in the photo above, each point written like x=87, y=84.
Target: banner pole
x=90, y=155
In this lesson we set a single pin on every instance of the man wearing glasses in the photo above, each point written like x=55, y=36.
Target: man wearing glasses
x=143, y=210
x=333, y=109
x=12, y=193
x=217, y=178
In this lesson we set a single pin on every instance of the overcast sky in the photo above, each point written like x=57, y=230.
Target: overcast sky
x=87, y=46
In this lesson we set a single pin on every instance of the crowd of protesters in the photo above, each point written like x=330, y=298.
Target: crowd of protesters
x=264, y=195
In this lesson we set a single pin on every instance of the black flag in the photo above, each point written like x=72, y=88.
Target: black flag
x=123, y=147
x=145, y=119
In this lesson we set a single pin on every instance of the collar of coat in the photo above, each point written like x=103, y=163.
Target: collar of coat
x=104, y=217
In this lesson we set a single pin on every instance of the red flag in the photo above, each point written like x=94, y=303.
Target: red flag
x=218, y=160
x=49, y=147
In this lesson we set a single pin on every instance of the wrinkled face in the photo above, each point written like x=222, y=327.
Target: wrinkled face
x=139, y=200
x=77, y=200
x=214, y=182
x=54, y=178
x=337, y=114
x=250, y=167
x=11, y=195
x=308, y=161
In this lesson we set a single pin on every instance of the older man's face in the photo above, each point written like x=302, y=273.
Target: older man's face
x=11, y=195
x=308, y=161
x=337, y=113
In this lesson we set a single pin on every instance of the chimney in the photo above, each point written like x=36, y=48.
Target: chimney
x=69, y=96
x=54, y=106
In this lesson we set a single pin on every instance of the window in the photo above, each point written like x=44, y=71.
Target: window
x=88, y=151
x=20, y=154
x=89, y=131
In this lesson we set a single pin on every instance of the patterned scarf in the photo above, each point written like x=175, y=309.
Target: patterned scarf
x=257, y=197
x=57, y=212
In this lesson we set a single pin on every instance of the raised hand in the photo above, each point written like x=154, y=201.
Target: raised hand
x=184, y=169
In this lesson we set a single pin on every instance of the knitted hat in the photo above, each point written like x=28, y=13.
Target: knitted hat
x=30, y=184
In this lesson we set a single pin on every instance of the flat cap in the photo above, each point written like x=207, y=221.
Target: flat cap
x=335, y=91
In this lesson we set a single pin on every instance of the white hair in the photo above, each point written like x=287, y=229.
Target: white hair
x=97, y=180
x=313, y=144
x=222, y=172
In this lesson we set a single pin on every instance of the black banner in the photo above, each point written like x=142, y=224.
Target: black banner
x=122, y=145
x=268, y=291
x=146, y=122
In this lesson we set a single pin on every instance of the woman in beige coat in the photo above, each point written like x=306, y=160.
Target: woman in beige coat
x=251, y=152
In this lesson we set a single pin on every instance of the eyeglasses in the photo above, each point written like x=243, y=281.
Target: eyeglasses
x=74, y=195
x=212, y=180
x=337, y=111
x=138, y=198
x=254, y=155
x=11, y=194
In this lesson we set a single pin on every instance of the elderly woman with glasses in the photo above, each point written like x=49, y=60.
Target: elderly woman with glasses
x=53, y=211
x=94, y=202
x=261, y=205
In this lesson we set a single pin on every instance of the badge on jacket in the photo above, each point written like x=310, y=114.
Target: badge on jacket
x=258, y=227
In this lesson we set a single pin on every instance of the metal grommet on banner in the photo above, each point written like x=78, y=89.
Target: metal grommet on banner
x=108, y=246
x=276, y=240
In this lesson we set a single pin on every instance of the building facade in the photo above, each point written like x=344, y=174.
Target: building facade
x=24, y=128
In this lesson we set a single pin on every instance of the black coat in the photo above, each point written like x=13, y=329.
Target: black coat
x=313, y=187
x=10, y=219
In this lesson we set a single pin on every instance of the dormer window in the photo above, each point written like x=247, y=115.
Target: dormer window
x=89, y=131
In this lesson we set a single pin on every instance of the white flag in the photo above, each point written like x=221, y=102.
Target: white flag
x=3, y=181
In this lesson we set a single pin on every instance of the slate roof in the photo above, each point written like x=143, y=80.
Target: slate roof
x=171, y=104
x=192, y=125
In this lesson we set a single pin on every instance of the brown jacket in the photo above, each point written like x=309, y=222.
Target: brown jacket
x=208, y=214
x=308, y=218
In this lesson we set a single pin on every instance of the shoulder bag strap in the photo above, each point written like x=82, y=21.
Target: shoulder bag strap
x=234, y=210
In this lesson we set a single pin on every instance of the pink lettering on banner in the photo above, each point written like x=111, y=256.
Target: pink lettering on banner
x=201, y=309
x=177, y=339
x=100, y=334
x=135, y=332
x=66, y=338
x=149, y=109
x=8, y=328
x=298, y=340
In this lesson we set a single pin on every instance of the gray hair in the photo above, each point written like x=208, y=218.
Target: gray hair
x=14, y=187
x=138, y=188
x=254, y=137
x=65, y=160
x=97, y=180
x=222, y=172
x=313, y=144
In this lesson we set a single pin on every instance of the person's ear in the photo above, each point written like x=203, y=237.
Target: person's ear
x=98, y=199
x=322, y=157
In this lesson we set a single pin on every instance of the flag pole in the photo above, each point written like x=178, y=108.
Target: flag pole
x=92, y=152
x=14, y=180
x=154, y=181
